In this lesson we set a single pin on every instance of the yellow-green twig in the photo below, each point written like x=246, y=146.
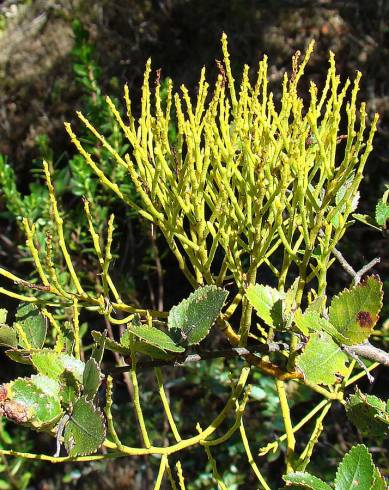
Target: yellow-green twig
x=137, y=404
x=250, y=458
x=180, y=476
x=161, y=472
x=59, y=222
x=285, y=411
x=108, y=413
x=76, y=329
x=166, y=405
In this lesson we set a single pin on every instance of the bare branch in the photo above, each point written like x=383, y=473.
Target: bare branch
x=343, y=262
x=357, y=276
x=183, y=359
x=368, y=351
x=368, y=266
x=360, y=363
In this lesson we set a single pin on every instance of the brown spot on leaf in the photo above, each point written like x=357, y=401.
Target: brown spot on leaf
x=15, y=411
x=3, y=393
x=364, y=319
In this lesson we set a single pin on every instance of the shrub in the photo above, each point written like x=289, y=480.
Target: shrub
x=242, y=188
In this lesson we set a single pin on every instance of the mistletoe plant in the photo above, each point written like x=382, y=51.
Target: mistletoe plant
x=249, y=187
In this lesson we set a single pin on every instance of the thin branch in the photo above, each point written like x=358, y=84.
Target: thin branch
x=158, y=267
x=360, y=363
x=183, y=359
x=368, y=266
x=368, y=351
x=343, y=262
x=356, y=275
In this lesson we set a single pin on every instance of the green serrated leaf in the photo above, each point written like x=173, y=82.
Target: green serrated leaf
x=91, y=378
x=191, y=320
x=85, y=431
x=109, y=344
x=382, y=213
x=8, y=337
x=33, y=326
x=99, y=347
x=70, y=388
x=154, y=336
x=142, y=347
x=267, y=302
x=151, y=351
x=367, y=220
x=19, y=355
x=306, y=480
x=41, y=409
x=47, y=385
x=3, y=315
x=53, y=364
x=126, y=340
x=379, y=482
x=356, y=470
x=354, y=312
x=304, y=321
x=317, y=305
x=322, y=360
x=311, y=321
x=368, y=413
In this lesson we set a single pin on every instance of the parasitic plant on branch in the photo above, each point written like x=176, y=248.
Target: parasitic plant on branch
x=249, y=187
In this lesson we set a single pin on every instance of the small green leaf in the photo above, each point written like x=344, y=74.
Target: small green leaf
x=340, y=195
x=356, y=470
x=316, y=305
x=267, y=302
x=151, y=351
x=305, y=322
x=109, y=344
x=306, y=480
x=19, y=355
x=33, y=325
x=367, y=220
x=322, y=360
x=53, y=364
x=290, y=299
x=354, y=312
x=3, y=315
x=311, y=321
x=382, y=213
x=85, y=431
x=142, y=347
x=47, y=385
x=125, y=339
x=41, y=410
x=99, y=347
x=70, y=388
x=8, y=336
x=368, y=413
x=138, y=346
x=153, y=336
x=191, y=320
x=91, y=378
